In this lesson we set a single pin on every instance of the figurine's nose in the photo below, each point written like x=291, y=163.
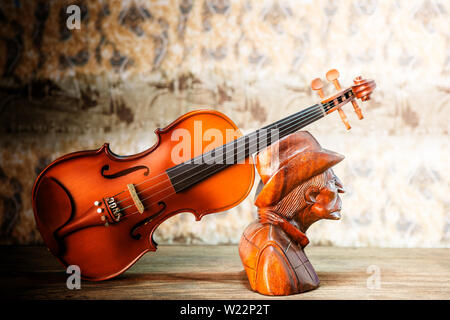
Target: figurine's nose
x=339, y=186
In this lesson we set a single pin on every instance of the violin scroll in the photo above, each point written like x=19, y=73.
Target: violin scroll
x=362, y=89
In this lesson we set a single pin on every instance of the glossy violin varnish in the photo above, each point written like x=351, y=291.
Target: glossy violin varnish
x=103, y=219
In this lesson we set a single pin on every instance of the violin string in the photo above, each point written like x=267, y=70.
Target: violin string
x=326, y=105
x=291, y=123
x=318, y=116
x=153, y=203
x=299, y=117
x=231, y=142
x=294, y=121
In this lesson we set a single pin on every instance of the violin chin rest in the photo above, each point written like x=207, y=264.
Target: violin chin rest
x=53, y=210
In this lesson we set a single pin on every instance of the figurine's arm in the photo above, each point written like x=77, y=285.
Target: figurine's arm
x=267, y=216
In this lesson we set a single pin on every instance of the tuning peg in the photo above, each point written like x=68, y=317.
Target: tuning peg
x=357, y=80
x=317, y=85
x=344, y=118
x=333, y=76
x=357, y=110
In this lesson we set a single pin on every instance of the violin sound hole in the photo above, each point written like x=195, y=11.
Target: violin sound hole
x=138, y=236
x=123, y=172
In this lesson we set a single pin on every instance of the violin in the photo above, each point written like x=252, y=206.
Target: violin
x=99, y=210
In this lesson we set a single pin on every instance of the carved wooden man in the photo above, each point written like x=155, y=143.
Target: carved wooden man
x=297, y=188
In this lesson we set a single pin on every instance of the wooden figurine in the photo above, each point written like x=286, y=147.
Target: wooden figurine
x=297, y=188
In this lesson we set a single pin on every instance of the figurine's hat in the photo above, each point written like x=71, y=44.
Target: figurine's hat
x=288, y=163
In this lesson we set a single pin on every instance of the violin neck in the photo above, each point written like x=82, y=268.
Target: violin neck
x=236, y=151
x=264, y=137
x=288, y=125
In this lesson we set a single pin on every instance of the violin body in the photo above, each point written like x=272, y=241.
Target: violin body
x=70, y=198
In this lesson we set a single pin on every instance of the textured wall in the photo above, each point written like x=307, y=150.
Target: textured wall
x=137, y=65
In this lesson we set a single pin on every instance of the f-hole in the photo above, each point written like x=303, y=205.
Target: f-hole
x=138, y=236
x=123, y=172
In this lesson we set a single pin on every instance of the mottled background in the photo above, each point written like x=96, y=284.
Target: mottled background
x=137, y=65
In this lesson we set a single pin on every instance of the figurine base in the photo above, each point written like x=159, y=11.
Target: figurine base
x=275, y=265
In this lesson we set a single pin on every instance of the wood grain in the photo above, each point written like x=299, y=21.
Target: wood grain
x=216, y=272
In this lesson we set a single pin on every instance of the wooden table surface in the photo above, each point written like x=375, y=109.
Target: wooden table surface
x=215, y=272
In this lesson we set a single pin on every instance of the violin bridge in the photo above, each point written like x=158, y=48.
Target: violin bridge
x=135, y=197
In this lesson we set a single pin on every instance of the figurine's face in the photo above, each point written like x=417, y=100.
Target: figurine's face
x=326, y=203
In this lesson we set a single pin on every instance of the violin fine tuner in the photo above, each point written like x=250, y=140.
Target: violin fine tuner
x=361, y=89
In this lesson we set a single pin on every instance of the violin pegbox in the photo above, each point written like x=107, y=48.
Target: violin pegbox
x=361, y=89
